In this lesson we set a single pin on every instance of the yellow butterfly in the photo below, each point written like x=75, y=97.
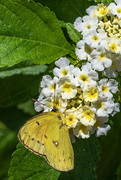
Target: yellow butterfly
x=47, y=135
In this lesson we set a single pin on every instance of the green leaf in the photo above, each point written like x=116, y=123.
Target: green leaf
x=27, y=107
x=73, y=33
x=27, y=165
x=111, y=151
x=67, y=10
x=29, y=70
x=102, y=1
x=20, y=82
x=119, y=172
x=8, y=142
x=29, y=31
x=86, y=154
x=13, y=117
x=18, y=88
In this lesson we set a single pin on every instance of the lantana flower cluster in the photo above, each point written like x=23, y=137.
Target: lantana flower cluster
x=101, y=44
x=85, y=101
x=79, y=94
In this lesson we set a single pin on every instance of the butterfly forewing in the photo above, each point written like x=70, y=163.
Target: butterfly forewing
x=58, y=148
x=31, y=135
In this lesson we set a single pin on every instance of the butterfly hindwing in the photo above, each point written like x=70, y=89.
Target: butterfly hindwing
x=58, y=148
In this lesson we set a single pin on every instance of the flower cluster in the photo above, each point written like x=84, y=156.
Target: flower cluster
x=85, y=101
x=101, y=44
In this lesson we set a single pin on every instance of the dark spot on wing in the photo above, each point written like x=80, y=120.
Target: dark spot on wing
x=59, y=117
x=38, y=141
x=43, y=144
x=32, y=139
x=61, y=126
x=24, y=132
x=63, y=153
x=37, y=123
x=56, y=143
x=69, y=157
x=64, y=160
x=45, y=136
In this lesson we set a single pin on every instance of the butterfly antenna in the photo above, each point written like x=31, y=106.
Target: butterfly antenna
x=34, y=100
x=38, y=102
x=72, y=111
x=54, y=107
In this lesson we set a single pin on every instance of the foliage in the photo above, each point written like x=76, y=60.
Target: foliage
x=33, y=34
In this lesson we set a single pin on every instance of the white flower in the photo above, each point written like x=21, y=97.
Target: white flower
x=92, y=73
x=83, y=50
x=91, y=93
x=67, y=87
x=112, y=70
x=95, y=38
x=64, y=67
x=103, y=107
x=90, y=10
x=82, y=131
x=99, y=59
x=48, y=103
x=103, y=130
x=113, y=44
x=71, y=117
x=86, y=76
x=99, y=127
x=107, y=86
x=101, y=10
x=116, y=109
x=49, y=85
x=86, y=24
x=86, y=115
x=116, y=9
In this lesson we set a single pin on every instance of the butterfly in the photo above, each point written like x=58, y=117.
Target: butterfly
x=47, y=135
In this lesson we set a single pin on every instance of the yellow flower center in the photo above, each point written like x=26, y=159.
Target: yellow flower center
x=84, y=78
x=118, y=9
x=93, y=94
x=88, y=115
x=95, y=38
x=101, y=57
x=88, y=26
x=52, y=86
x=56, y=103
x=105, y=89
x=64, y=72
x=103, y=11
x=113, y=47
x=67, y=87
x=70, y=119
x=100, y=105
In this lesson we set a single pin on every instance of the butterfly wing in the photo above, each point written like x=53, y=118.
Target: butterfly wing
x=31, y=135
x=58, y=148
